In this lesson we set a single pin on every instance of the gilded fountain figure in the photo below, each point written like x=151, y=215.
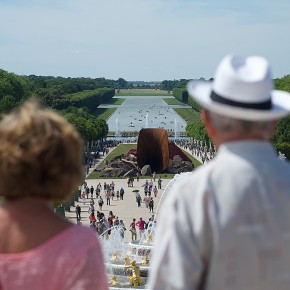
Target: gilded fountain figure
x=135, y=279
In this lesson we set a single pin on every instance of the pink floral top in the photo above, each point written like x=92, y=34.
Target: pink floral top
x=70, y=260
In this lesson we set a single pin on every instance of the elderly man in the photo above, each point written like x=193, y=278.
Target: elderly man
x=227, y=225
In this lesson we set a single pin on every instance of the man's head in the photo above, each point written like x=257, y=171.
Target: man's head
x=224, y=129
x=240, y=103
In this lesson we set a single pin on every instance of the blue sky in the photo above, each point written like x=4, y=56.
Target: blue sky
x=147, y=40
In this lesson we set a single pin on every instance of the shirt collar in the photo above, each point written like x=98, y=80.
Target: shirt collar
x=247, y=148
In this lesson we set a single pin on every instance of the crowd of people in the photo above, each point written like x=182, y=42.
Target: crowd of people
x=92, y=196
x=198, y=149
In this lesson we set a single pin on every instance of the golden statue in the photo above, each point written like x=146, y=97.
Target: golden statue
x=149, y=239
x=135, y=279
x=145, y=261
x=114, y=280
x=115, y=256
x=127, y=261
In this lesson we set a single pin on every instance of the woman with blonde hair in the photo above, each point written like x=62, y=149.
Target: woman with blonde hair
x=40, y=162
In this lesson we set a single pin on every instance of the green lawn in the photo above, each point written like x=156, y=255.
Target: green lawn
x=115, y=101
x=173, y=101
x=124, y=148
x=188, y=114
x=119, y=150
x=104, y=113
x=142, y=92
x=194, y=161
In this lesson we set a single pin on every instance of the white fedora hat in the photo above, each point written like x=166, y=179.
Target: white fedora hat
x=242, y=89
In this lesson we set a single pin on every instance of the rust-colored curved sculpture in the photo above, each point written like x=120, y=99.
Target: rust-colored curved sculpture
x=152, y=149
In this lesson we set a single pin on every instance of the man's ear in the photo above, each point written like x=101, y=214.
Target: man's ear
x=273, y=127
x=208, y=125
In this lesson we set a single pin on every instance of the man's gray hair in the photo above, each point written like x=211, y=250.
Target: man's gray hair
x=227, y=124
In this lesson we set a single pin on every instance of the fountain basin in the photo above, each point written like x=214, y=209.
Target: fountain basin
x=139, y=250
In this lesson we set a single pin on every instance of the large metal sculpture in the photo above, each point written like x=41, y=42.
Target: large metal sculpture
x=152, y=149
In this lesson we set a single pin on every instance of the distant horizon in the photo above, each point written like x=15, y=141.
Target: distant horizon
x=129, y=81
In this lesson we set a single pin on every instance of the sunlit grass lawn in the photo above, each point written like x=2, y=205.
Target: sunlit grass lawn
x=188, y=114
x=142, y=92
x=172, y=101
x=104, y=113
x=123, y=149
x=115, y=101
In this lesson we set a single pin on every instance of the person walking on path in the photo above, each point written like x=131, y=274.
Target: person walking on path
x=151, y=205
x=78, y=212
x=98, y=189
x=108, y=197
x=147, y=199
x=129, y=181
x=159, y=182
x=138, y=200
x=83, y=197
x=155, y=191
x=229, y=220
x=141, y=226
x=92, y=191
x=133, y=230
x=154, y=176
x=91, y=208
x=122, y=192
x=101, y=203
x=87, y=192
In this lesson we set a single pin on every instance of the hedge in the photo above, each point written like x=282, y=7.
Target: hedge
x=90, y=99
x=181, y=94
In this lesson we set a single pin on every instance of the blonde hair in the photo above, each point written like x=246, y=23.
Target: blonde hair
x=40, y=154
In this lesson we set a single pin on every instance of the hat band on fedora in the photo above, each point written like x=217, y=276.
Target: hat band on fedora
x=267, y=105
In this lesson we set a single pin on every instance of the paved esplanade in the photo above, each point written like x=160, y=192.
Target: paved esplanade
x=131, y=114
x=126, y=209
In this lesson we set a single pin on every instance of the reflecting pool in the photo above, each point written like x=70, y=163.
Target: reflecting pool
x=138, y=112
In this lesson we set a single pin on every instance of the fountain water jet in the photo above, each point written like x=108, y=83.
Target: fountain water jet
x=117, y=129
x=175, y=129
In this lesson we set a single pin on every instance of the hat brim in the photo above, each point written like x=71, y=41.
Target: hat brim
x=200, y=91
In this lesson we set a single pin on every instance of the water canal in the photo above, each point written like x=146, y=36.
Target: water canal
x=138, y=112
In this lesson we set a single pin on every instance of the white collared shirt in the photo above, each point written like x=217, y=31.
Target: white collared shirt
x=227, y=225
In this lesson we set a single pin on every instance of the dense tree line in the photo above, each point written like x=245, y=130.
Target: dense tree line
x=169, y=85
x=89, y=99
x=197, y=131
x=73, y=85
x=75, y=98
x=181, y=94
x=13, y=90
x=55, y=91
x=88, y=126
